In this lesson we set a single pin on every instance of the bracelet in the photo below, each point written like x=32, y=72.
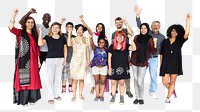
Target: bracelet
x=12, y=21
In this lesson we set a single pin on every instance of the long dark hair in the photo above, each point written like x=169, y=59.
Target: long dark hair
x=33, y=30
x=102, y=33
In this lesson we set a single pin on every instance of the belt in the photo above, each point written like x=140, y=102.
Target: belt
x=153, y=56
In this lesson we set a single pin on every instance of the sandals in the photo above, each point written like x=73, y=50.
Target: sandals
x=51, y=102
x=92, y=90
x=73, y=99
x=81, y=97
x=58, y=98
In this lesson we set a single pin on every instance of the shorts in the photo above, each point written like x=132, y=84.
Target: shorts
x=66, y=72
x=100, y=70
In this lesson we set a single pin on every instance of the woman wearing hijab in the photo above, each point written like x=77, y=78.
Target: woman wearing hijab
x=145, y=46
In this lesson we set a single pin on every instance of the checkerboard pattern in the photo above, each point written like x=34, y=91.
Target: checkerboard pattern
x=166, y=11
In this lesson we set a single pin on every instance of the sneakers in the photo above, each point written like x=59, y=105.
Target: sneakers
x=121, y=102
x=115, y=92
x=96, y=98
x=153, y=95
x=70, y=88
x=64, y=89
x=140, y=101
x=167, y=100
x=130, y=95
x=112, y=100
x=102, y=99
x=136, y=101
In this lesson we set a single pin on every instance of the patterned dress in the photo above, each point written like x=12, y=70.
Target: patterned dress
x=79, y=60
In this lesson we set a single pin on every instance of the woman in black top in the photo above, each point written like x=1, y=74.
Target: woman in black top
x=171, y=57
x=56, y=58
x=118, y=63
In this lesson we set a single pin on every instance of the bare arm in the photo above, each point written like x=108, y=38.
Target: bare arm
x=41, y=41
x=87, y=58
x=83, y=22
x=161, y=57
x=32, y=10
x=69, y=40
x=12, y=21
x=65, y=54
x=62, y=20
x=138, y=12
x=187, y=28
x=129, y=30
x=109, y=64
x=92, y=45
x=133, y=46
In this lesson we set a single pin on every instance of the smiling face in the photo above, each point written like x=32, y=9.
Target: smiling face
x=118, y=24
x=46, y=19
x=143, y=30
x=99, y=28
x=55, y=29
x=155, y=27
x=102, y=43
x=79, y=31
x=120, y=38
x=29, y=24
x=174, y=33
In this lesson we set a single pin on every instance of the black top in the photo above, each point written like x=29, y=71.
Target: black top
x=172, y=57
x=126, y=33
x=69, y=48
x=55, y=46
x=119, y=63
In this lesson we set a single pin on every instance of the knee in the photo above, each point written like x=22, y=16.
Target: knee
x=165, y=82
x=97, y=82
x=113, y=83
x=102, y=83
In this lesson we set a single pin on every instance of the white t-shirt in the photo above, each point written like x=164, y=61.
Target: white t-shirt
x=45, y=32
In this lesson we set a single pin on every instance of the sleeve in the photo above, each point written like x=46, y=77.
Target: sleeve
x=162, y=48
x=110, y=49
x=38, y=50
x=46, y=38
x=125, y=31
x=15, y=31
x=64, y=40
x=182, y=40
x=138, y=21
x=152, y=49
x=127, y=46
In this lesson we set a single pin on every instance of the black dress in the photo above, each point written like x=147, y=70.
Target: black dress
x=172, y=57
x=119, y=63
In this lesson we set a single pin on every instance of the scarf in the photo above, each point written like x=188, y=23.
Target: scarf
x=22, y=58
x=142, y=42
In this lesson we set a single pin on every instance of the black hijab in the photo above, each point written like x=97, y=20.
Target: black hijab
x=143, y=41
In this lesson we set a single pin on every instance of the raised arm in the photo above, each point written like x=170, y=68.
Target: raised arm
x=62, y=20
x=138, y=12
x=129, y=30
x=32, y=10
x=12, y=21
x=83, y=22
x=41, y=41
x=92, y=45
x=133, y=46
x=187, y=28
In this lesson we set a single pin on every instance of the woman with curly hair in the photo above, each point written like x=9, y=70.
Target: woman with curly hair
x=171, y=56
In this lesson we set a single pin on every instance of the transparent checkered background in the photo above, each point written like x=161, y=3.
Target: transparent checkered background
x=166, y=11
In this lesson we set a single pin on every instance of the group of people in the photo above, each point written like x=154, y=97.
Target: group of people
x=68, y=57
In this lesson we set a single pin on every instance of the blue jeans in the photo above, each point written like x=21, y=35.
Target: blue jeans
x=153, y=65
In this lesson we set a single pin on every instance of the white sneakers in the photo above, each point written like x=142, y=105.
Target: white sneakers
x=153, y=95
